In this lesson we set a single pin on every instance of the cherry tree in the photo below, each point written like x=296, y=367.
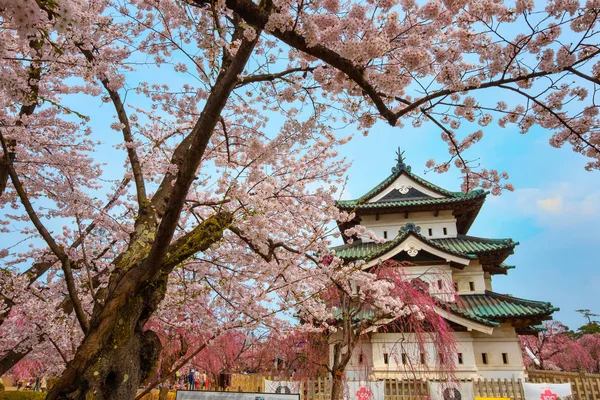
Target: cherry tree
x=558, y=348
x=229, y=168
x=376, y=299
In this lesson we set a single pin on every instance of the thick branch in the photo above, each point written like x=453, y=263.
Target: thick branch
x=199, y=239
x=258, y=17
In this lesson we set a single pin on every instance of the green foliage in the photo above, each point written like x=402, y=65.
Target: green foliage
x=22, y=395
x=592, y=327
x=1, y=387
x=589, y=329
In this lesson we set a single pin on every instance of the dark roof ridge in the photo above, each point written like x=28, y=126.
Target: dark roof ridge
x=481, y=239
x=431, y=186
x=508, y=297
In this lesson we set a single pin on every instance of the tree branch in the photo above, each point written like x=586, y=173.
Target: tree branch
x=136, y=165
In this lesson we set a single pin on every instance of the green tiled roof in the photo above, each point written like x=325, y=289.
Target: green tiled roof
x=387, y=181
x=359, y=204
x=462, y=245
x=472, y=245
x=493, y=306
x=487, y=308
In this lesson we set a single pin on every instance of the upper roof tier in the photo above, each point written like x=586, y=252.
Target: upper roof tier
x=490, y=252
x=404, y=191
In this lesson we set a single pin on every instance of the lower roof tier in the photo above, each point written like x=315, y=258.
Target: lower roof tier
x=491, y=308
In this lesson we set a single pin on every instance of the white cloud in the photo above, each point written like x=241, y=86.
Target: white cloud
x=553, y=204
x=562, y=205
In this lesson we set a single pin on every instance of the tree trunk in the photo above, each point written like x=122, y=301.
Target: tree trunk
x=337, y=385
x=116, y=355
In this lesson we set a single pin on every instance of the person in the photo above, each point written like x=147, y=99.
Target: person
x=36, y=385
x=197, y=379
x=191, y=380
x=44, y=384
x=19, y=384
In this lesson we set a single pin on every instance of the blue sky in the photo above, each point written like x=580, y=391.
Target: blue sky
x=554, y=212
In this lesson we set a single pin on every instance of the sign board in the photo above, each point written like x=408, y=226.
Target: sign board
x=285, y=387
x=547, y=391
x=357, y=390
x=209, y=395
x=451, y=391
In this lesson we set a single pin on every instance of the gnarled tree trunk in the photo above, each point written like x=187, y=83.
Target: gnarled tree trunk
x=117, y=355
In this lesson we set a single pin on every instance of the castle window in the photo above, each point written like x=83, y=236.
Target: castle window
x=445, y=231
x=385, y=358
x=360, y=358
x=460, y=358
x=376, y=217
x=472, y=286
x=385, y=234
x=430, y=232
x=505, y=358
x=484, y=358
x=420, y=284
x=423, y=358
x=440, y=284
x=404, y=359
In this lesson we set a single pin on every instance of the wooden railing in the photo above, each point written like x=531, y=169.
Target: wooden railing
x=584, y=386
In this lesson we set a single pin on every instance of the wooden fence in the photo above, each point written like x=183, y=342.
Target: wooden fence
x=584, y=386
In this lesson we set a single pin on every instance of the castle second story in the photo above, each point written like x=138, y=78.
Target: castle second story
x=427, y=226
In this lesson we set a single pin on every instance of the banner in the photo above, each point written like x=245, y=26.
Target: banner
x=357, y=390
x=208, y=395
x=451, y=391
x=285, y=387
x=547, y=391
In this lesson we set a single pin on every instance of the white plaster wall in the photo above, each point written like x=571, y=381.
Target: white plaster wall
x=404, y=181
x=391, y=223
x=488, y=281
x=431, y=274
x=471, y=273
x=470, y=344
x=396, y=344
x=503, y=340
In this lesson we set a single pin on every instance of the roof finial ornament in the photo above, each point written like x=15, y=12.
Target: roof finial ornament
x=400, y=164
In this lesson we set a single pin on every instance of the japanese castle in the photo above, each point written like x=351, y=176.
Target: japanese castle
x=428, y=227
